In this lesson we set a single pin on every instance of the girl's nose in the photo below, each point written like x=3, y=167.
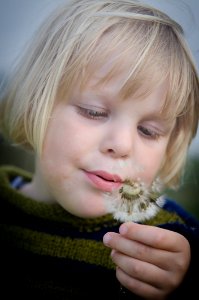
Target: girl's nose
x=118, y=141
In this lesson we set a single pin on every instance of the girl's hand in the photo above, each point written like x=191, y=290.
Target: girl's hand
x=151, y=262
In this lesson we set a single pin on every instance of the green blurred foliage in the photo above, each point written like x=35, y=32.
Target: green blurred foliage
x=13, y=155
x=188, y=193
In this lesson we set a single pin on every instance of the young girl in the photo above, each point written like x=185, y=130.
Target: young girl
x=107, y=97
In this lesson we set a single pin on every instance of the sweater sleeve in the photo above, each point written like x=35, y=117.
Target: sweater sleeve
x=190, y=230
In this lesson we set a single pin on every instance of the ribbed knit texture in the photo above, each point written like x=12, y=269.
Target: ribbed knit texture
x=49, y=254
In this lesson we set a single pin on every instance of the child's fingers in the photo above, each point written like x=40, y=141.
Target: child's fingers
x=141, y=242
x=150, y=278
x=140, y=288
x=137, y=250
x=140, y=270
x=153, y=236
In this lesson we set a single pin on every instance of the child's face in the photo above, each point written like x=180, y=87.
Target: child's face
x=96, y=140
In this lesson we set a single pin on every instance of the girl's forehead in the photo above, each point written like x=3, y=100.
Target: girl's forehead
x=112, y=74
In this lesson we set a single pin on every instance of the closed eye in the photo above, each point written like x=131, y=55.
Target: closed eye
x=148, y=133
x=91, y=113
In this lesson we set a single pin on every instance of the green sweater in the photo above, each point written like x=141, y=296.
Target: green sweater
x=47, y=253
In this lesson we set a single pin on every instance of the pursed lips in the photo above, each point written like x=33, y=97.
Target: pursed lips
x=104, y=181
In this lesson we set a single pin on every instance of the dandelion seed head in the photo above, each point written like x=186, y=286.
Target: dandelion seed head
x=134, y=201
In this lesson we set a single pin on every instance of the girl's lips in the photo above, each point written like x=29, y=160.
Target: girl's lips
x=104, y=181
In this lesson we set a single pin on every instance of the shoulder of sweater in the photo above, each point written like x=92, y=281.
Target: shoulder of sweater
x=172, y=213
x=8, y=172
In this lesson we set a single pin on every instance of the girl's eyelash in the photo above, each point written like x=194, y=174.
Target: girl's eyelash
x=148, y=133
x=92, y=113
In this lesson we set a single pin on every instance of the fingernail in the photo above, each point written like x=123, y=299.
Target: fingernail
x=123, y=229
x=106, y=238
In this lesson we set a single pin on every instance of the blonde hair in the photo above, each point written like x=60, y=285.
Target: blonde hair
x=84, y=34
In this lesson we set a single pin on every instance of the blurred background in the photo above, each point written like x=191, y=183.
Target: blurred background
x=18, y=21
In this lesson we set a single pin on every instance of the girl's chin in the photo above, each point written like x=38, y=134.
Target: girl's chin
x=89, y=206
x=88, y=213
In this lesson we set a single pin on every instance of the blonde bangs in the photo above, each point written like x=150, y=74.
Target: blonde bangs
x=137, y=47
